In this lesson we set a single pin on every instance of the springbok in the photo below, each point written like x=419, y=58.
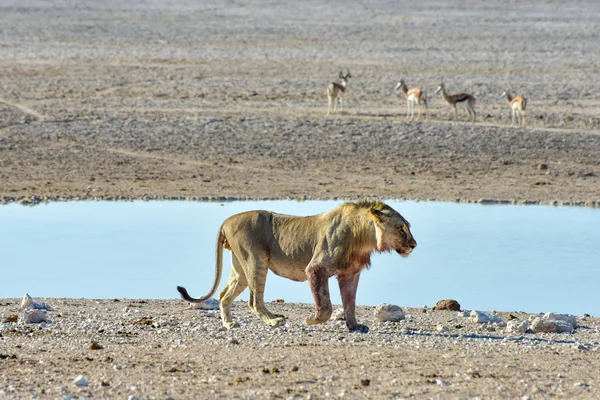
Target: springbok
x=517, y=106
x=414, y=97
x=459, y=99
x=335, y=91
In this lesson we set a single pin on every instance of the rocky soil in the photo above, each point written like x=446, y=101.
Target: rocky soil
x=158, y=349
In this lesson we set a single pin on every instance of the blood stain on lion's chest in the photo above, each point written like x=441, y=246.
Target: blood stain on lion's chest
x=359, y=261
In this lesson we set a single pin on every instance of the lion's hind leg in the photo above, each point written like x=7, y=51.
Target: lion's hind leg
x=236, y=285
x=256, y=273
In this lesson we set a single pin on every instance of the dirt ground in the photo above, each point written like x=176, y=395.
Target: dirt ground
x=226, y=100
x=160, y=349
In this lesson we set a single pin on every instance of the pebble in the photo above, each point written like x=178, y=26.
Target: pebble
x=80, y=381
x=210, y=304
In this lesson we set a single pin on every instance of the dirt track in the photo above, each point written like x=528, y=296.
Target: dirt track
x=228, y=100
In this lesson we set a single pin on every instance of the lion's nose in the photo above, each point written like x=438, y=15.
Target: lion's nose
x=413, y=244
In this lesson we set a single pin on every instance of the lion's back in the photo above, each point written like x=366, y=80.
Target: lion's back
x=281, y=236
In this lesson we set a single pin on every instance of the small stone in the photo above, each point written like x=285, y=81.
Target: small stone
x=516, y=326
x=580, y=384
x=10, y=318
x=481, y=317
x=143, y=321
x=34, y=316
x=365, y=382
x=551, y=326
x=338, y=315
x=581, y=346
x=447, y=304
x=95, y=346
x=571, y=319
x=442, y=329
x=80, y=381
x=210, y=304
x=388, y=312
x=26, y=301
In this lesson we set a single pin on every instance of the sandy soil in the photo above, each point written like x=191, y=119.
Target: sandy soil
x=215, y=99
x=223, y=99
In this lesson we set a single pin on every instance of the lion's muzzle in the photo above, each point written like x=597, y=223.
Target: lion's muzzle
x=405, y=250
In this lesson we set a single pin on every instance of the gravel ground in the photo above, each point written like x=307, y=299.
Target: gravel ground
x=162, y=349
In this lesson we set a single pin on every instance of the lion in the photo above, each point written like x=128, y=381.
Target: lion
x=314, y=248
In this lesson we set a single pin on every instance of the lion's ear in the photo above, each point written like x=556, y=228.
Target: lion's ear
x=376, y=214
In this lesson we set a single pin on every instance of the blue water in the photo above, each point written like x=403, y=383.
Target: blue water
x=508, y=258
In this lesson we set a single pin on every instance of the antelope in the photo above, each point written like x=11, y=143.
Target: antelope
x=414, y=96
x=335, y=91
x=517, y=106
x=461, y=99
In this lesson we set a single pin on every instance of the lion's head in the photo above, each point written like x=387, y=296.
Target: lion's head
x=392, y=230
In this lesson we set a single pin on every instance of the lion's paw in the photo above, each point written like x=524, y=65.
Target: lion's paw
x=231, y=325
x=359, y=328
x=276, y=322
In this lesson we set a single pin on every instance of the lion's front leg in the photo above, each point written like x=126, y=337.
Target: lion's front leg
x=318, y=280
x=348, y=284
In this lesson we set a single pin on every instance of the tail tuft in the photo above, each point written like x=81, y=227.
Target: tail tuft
x=183, y=292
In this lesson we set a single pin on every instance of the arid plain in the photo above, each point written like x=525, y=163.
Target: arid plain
x=226, y=100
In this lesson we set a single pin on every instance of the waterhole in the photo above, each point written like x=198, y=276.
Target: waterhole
x=501, y=257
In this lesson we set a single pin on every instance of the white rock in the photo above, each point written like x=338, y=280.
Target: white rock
x=40, y=306
x=80, y=381
x=211, y=314
x=338, y=315
x=388, y=312
x=481, y=317
x=34, y=316
x=551, y=326
x=210, y=304
x=442, y=329
x=26, y=301
x=563, y=317
x=517, y=326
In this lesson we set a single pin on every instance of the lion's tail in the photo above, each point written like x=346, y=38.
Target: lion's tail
x=218, y=272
